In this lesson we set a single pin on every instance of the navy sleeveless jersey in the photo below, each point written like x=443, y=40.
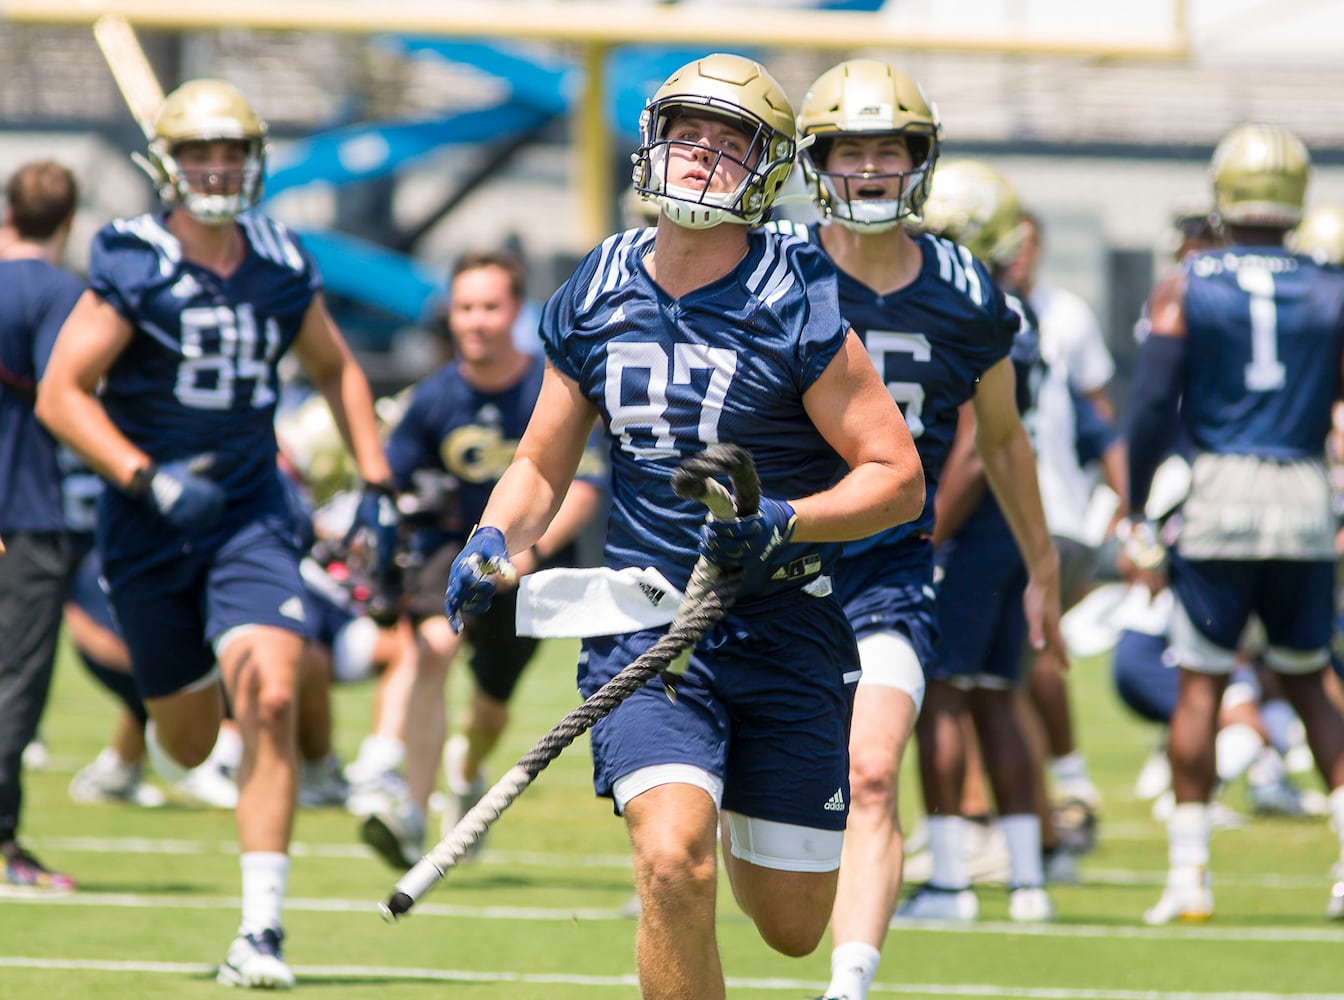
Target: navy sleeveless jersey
x=35, y=299
x=199, y=375
x=727, y=362
x=1265, y=330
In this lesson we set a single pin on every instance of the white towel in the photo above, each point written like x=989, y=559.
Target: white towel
x=573, y=603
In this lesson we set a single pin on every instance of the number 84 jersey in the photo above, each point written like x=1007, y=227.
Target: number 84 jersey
x=199, y=375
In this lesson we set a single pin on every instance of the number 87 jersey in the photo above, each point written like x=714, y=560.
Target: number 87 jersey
x=1265, y=333
x=199, y=375
x=729, y=361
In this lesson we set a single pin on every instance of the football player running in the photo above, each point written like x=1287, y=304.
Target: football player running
x=186, y=317
x=939, y=333
x=704, y=329
x=1244, y=354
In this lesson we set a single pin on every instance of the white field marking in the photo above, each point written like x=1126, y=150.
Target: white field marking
x=1300, y=935
x=299, y=849
x=539, y=859
x=625, y=982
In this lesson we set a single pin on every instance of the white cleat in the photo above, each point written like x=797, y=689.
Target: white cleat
x=1154, y=777
x=109, y=779
x=1188, y=898
x=322, y=783
x=1334, y=910
x=1030, y=905
x=396, y=833
x=256, y=962
x=931, y=902
x=209, y=785
x=1282, y=798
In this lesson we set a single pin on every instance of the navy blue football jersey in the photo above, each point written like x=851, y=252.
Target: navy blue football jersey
x=35, y=299
x=199, y=375
x=452, y=426
x=930, y=341
x=728, y=362
x=1265, y=331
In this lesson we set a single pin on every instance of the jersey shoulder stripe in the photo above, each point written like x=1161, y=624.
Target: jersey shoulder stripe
x=272, y=240
x=615, y=263
x=787, y=227
x=773, y=276
x=957, y=267
x=148, y=229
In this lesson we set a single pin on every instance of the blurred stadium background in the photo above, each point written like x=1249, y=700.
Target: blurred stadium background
x=405, y=132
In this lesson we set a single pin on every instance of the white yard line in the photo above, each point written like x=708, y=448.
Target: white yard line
x=1331, y=935
x=625, y=982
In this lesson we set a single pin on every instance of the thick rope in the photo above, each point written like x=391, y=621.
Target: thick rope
x=709, y=594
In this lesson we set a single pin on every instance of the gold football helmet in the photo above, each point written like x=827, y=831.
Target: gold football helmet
x=973, y=204
x=1320, y=235
x=1259, y=175
x=741, y=91
x=199, y=111
x=311, y=442
x=867, y=97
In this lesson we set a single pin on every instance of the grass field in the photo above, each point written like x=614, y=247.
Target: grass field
x=539, y=915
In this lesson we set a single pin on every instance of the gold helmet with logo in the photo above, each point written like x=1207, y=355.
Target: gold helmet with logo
x=738, y=90
x=201, y=111
x=1259, y=175
x=1320, y=235
x=973, y=204
x=866, y=97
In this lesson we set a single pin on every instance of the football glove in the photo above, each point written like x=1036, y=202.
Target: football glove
x=181, y=493
x=749, y=541
x=377, y=519
x=471, y=580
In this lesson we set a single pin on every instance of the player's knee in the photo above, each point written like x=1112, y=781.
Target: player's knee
x=794, y=934
x=871, y=782
x=275, y=706
x=676, y=872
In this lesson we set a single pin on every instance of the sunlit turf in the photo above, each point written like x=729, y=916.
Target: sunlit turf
x=538, y=916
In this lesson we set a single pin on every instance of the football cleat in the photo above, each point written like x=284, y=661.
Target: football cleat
x=1030, y=905
x=255, y=961
x=1281, y=797
x=209, y=785
x=932, y=902
x=322, y=784
x=1187, y=898
x=109, y=779
x=396, y=832
x=26, y=876
x=1334, y=910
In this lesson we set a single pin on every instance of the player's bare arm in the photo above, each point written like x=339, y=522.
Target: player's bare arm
x=91, y=340
x=1010, y=468
x=335, y=374
x=533, y=487
x=885, y=483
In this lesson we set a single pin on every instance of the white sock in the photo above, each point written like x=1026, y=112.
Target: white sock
x=379, y=755
x=228, y=748
x=264, y=876
x=1070, y=767
x=1188, y=836
x=1336, y=802
x=1023, y=833
x=1235, y=750
x=947, y=844
x=853, y=966
x=1281, y=723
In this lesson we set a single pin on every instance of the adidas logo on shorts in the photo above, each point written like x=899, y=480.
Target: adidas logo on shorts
x=836, y=803
x=292, y=608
